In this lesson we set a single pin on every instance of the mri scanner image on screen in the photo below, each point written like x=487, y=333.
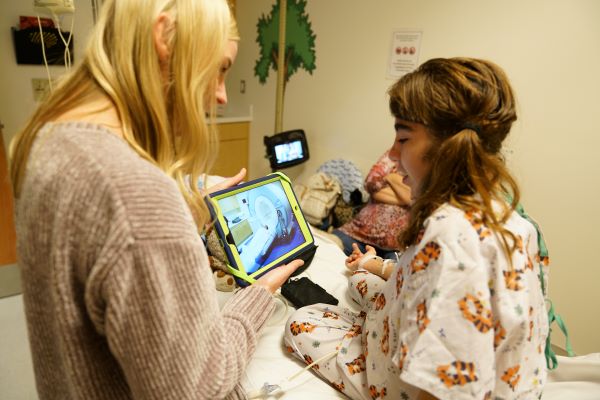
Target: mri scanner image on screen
x=262, y=225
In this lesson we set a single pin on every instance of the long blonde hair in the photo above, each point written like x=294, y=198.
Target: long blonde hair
x=166, y=123
x=468, y=108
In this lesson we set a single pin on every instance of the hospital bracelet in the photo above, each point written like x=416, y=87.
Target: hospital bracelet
x=367, y=258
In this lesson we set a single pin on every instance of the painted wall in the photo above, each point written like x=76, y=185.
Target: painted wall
x=551, y=51
x=16, y=102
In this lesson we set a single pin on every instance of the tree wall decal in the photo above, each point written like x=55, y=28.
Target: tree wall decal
x=299, y=41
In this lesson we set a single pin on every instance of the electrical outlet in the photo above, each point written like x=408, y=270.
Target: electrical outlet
x=55, y=6
x=41, y=88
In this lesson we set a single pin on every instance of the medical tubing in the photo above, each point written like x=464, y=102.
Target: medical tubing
x=268, y=389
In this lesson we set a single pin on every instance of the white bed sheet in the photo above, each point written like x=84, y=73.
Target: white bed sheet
x=576, y=378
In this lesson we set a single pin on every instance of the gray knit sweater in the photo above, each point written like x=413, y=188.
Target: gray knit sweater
x=119, y=296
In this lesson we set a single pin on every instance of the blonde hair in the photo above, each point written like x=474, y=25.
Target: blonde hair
x=166, y=123
x=468, y=108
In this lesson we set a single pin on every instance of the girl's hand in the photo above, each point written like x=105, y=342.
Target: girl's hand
x=354, y=259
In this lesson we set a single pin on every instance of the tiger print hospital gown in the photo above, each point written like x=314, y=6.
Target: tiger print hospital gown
x=454, y=319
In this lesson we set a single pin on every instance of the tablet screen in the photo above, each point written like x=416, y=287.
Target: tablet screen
x=262, y=223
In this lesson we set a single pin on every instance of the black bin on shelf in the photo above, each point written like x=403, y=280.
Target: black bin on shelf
x=28, y=46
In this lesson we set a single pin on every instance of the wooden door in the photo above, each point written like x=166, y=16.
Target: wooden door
x=8, y=237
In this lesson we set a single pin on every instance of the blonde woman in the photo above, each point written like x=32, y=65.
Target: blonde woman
x=119, y=296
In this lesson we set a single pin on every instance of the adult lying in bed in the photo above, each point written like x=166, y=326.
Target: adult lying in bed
x=462, y=313
x=380, y=222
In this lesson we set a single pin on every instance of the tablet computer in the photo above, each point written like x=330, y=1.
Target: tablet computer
x=261, y=226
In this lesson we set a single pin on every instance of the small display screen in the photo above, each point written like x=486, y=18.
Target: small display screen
x=290, y=151
x=262, y=224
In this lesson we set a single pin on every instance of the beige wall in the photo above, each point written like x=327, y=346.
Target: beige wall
x=550, y=50
x=16, y=101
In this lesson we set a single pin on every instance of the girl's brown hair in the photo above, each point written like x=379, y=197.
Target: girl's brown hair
x=468, y=107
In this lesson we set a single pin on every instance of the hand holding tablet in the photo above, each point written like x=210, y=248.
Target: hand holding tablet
x=227, y=182
x=276, y=277
x=261, y=226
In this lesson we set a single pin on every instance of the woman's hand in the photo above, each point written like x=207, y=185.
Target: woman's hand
x=227, y=182
x=276, y=277
x=353, y=259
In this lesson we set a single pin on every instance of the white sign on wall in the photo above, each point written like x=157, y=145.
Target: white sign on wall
x=404, y=54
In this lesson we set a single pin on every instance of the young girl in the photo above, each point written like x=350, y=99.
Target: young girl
x=461, y=315
x=118, y=291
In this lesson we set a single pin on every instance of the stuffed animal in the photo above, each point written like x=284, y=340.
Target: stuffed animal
x=224, y=281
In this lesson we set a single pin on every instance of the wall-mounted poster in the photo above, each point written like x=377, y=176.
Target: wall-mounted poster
x=404, y=54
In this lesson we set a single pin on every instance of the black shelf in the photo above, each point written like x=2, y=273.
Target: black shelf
x=28, y=46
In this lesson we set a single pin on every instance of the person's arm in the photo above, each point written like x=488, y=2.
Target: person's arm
x=227, y=182
x=164, y=326
x=401, y=190
x=369, y=261
x=386, y=196
x=379, y=266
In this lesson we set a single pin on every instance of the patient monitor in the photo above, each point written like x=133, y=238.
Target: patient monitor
x=286, y=149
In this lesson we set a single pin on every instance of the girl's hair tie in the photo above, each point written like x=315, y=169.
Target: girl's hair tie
x=474, y=127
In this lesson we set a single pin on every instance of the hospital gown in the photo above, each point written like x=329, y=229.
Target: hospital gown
x=455, y=319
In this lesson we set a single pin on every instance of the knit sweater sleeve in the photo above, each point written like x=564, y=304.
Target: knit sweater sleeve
x=164, y=326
